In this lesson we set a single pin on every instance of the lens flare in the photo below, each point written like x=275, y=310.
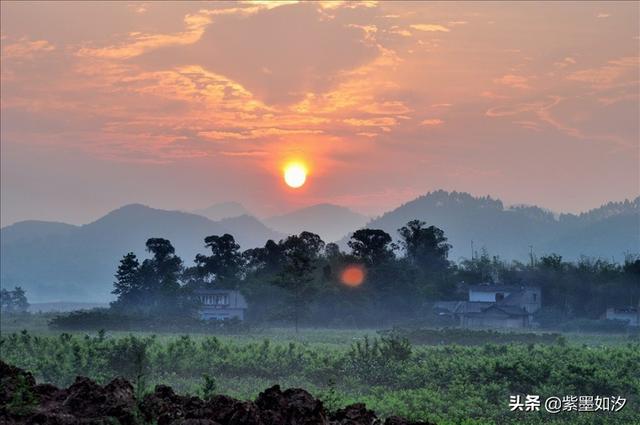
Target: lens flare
x=352, y=275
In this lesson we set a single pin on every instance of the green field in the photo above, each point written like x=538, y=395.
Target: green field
x=445, y=383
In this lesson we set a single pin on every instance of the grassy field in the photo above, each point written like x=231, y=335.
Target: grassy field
x=447, y=383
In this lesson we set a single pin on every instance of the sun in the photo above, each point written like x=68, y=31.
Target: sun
x=295, y=174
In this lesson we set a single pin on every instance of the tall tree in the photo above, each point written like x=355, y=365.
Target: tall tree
x=371, y=246
x=13, y=301
x=301, y=254
x=161, y=277
x=127, y=286
x=225, y=264
x=425, y=247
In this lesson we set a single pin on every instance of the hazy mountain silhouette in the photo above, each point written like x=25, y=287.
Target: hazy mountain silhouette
x=32, y=229
x=57, y=261
x=62, y=262
x=329, y=221
x=606, y=232
x=223, y=210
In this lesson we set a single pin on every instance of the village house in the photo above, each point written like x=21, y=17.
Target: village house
x=631, y=315
x=494, y=306
x=220, y=304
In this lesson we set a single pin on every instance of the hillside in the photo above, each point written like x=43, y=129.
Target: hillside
x=77, y=263
x=223, y=210
x=331, y=222
x=57, y=261
x=608, y=232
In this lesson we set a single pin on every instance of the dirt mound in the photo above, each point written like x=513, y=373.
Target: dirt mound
x=86, y=402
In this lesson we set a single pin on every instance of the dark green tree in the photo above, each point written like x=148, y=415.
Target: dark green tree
x=13, y=301
x=300, y=254
x=425, y=247
x=371, y=246
x=224, y=267
x=127, y=286
x=160, y=278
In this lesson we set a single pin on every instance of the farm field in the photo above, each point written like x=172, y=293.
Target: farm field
x=445, y=383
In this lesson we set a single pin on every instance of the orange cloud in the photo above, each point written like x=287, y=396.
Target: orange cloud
x=609, y=74
x=141, y=42
x=26, y=49
x=432, y=122
x=515, y=81
x=430, y=28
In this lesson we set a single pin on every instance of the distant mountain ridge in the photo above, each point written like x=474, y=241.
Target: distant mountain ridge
x=77, y=263
x=223, y=210
x=609, y=231
x=330, y=221
x=58, y=261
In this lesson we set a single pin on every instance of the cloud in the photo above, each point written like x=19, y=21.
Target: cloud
x=140, y=43
x=430, y=28
x=515, y=81
x=566, y=62
x=394, y=107
x=244, y=153
x=432, y=122
x=26, y=49
x=610, y=74
x=383, y=122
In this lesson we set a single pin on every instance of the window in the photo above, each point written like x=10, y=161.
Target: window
x=499, y=296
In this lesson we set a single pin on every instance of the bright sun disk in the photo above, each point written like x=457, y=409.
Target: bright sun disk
x=295, y=175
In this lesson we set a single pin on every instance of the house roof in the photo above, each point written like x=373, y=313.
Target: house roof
x=514, y=298
x=499, y=288
x=511, y=310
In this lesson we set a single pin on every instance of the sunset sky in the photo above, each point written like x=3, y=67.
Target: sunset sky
x=180, y=105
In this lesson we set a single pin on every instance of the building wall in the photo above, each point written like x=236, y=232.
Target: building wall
x=485, y=296
x=210, y=313
x=532, y=300
x=630, y=317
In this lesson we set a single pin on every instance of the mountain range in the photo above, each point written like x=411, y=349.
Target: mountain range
x=57, y=261
x=331, y=222
x=512, y=233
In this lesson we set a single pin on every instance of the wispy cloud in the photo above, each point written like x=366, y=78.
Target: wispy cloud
x=430, y=27
x=515, y=81
x=609, y=74
x=26, y=49
x=432, y=122
x=139, y=43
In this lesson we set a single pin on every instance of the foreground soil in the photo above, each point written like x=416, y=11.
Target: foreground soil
x=22, y=401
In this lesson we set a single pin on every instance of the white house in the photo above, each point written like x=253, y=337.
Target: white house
x=527, y=297
x=220, y=304
x=494, y=306
x=631, y=315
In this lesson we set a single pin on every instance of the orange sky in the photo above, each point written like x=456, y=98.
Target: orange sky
x=179, y=105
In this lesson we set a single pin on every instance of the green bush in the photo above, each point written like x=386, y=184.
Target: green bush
x=445, y=384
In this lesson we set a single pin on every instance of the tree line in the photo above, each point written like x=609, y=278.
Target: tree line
x=300, y=278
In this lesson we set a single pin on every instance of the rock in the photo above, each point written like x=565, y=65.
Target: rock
x=354, y=414
x=293, y=406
